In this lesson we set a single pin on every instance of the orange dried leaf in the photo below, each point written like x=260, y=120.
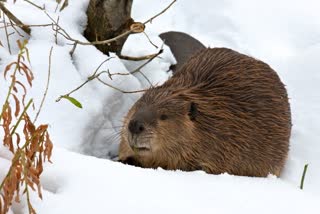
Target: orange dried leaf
x=39, y=165
x=48, y=148
x=29, y=125
x=28, y=74
x=8, y=142
x=18, y=138
x=8, y=67
x=30, y=184
x=24, y=88
x=19, y=44
x=17, y=102
x=23, y=100
x=14, y=88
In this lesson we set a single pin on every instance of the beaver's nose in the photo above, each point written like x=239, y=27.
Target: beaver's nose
x=135, y=127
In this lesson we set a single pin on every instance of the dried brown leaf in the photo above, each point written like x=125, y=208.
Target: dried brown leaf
x=8, y=67
x=18, y=138
x=7, y=119
x=40, y=165
x=30, y=183
x=27, y=163
x=19, y=44
x=29, y=125
x=24, y=88
x=14, y=88
x=16, y=100
x=48, y=148
x=28, y=74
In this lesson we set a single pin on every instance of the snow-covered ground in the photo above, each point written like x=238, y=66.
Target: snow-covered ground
x=283, y=33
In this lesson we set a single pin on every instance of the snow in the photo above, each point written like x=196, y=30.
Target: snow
x=284, y=34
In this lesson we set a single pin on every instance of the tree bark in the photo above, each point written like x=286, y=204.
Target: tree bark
x=108, y=19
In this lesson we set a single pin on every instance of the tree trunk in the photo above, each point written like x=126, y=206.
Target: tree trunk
x=108, y=19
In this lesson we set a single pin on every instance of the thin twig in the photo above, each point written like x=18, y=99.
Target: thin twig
x=96, y=75
x=90, y=78
x=33, y=4
x=138, y=70
x=20, y=118
x=47, y=87
x=138, y=58
x=14, y=19
x=154, y=45
x=14, y=27
x=163, y=11
x=303, y=176
x=73, y=48
x=118, y=89
x=145, y=77
x=141, y=66
x=58, y=2
x=7, y=35
x=56, y=33
x=25, y=25
x=80, y=86
x=64, y=33
x=134, y=29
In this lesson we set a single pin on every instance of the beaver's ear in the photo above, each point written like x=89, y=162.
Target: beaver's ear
x=193, y=111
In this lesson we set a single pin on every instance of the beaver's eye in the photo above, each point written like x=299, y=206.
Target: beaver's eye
x=163, y=117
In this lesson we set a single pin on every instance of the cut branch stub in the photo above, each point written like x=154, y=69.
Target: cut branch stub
x=108, y=19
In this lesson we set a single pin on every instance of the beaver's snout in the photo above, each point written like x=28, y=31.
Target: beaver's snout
x=144, y=117
x=139, y=128
x=136, y=127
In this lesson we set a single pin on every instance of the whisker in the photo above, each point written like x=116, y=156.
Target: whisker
x=114, y=137
x=113, y=127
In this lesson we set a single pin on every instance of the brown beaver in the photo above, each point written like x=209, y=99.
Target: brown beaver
x=221, y=112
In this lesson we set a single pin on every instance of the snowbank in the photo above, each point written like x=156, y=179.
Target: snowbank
x=285, y=34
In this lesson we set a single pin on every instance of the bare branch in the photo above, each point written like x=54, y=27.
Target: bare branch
x=96, y=75
x=163, y=11
x=138, y=70
x=7, y=35
x=139, y=58
x=140, y=67
x=122, y=91
x=14, y=27
x=25, y=25
x=90, y=78
x=14, y=19
x=64, y=5
x=74, y=48
x=154, y=45
x=56, y=33
x=136, y=27
x=47, y=87
x=33, y=4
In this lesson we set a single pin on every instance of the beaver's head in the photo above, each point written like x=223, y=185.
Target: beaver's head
x=158, y=124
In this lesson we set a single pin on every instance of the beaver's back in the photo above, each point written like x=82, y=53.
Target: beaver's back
x=244, y=119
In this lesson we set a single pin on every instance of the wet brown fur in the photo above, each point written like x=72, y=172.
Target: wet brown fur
x=241, y=124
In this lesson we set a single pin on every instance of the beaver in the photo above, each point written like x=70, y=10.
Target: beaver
x=221, y=112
